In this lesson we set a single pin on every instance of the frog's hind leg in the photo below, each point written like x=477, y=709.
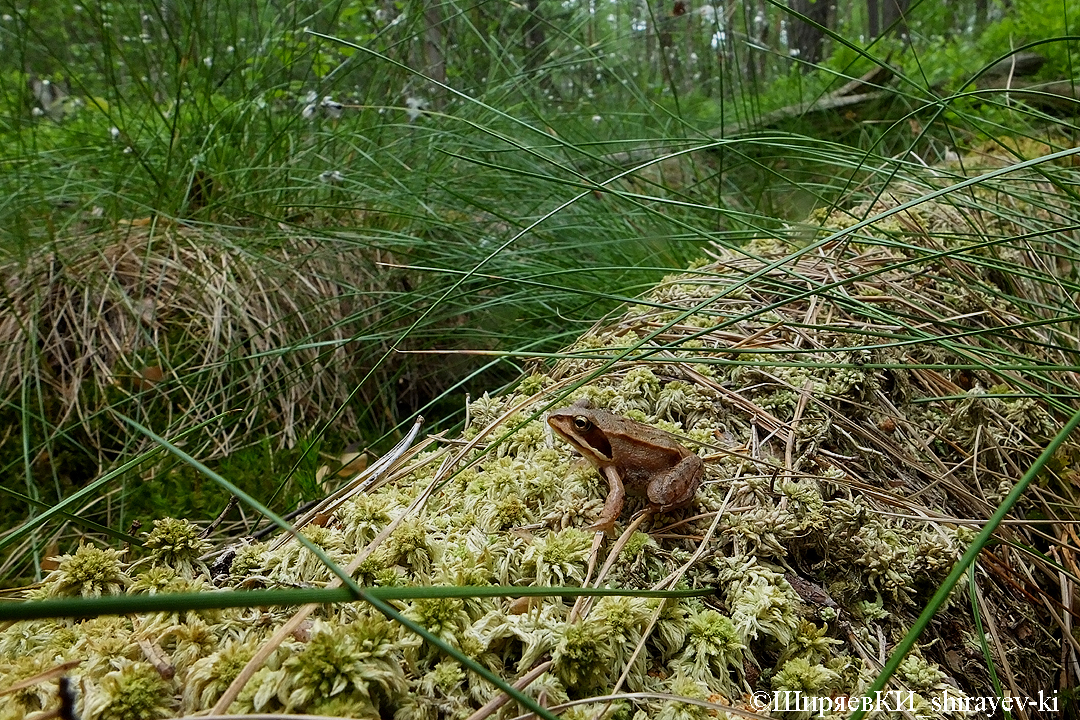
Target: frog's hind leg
x=678, y=485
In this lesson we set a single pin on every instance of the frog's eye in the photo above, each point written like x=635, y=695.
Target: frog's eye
x=582, y=423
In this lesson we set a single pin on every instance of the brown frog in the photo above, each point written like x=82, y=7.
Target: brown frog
x=635, y=458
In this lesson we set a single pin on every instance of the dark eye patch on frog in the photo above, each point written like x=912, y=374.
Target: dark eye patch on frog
x=593, y=437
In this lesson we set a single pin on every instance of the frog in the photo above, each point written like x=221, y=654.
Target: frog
x=635, y=459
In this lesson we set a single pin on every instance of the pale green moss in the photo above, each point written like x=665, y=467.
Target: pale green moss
x=443, y=617
x=293, y=563
x=638, y=542
x=557, y=558
x=103, y=643
x=36, y=697
x=763, y=605
x=812, y=643
x=365, y=516
x=713, y=650
x=532, y=384
x=625, y=619
x=177, y=543
x=484, y=410
x=211, y=675
x=249, y=559
x=361, y=661
x=800, y=674
x=408, y=545
x=88, y=572
x=919, y=674
x=671, y=628
x=135, y=691
x=686, y=687
x=583, y=659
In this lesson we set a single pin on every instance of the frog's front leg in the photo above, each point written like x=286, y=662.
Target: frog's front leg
x=678, y=485
x=614, y=503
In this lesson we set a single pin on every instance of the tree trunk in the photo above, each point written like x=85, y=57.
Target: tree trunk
x=808, y=40
x=873, y=19
x=667, y=51
x=434, y=41
x=894, y=16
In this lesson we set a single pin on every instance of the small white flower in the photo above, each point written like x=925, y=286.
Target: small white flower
x=97, y=211
x=414, y=107
x=309, y=111
x=128, y=150
x=332, y=107
x=115, y=132
x=311, y=97
x=230, y=49
x=208, y=61
x=332, y=177
x=37, y=112
x=597, y=119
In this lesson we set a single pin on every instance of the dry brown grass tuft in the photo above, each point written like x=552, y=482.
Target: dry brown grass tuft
x=180, y=325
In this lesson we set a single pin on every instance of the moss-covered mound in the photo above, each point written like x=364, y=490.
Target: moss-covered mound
x=862, y=409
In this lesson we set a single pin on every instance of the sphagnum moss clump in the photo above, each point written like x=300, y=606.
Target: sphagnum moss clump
x=88, y=572
x=177, y=544
x=134, y=691
x=849, y=439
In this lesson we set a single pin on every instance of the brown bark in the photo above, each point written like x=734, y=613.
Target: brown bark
x=807, y=39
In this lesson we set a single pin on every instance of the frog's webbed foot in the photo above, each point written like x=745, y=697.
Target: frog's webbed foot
x=601, y=525
x=614, y=504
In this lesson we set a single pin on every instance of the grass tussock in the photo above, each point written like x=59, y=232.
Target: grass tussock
x=184, y=325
